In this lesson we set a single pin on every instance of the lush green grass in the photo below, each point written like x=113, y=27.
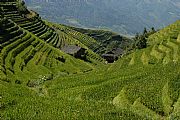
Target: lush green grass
x=85, y=96
x=72, y=37
x=36, y=84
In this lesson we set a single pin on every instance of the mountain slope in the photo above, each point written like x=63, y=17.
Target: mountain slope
x=122, y=16
x=38, y=81
x=131, y=88
x=30, y=46
x=106, y=41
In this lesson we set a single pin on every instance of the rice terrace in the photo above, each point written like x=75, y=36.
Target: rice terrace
x=52, y=71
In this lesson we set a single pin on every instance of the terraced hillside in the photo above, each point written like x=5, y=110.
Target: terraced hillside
x=40, y=82
x=70, y=36
x=109, y=41
x=32, y=22
x=29, y=20
x=30, y=48
x=24, y=56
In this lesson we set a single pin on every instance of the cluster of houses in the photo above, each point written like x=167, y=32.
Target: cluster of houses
x=79, y=52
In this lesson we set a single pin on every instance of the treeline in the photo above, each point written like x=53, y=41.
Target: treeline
x=140, y=39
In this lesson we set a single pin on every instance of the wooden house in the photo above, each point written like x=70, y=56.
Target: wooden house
x=74, y=50
x=110, y=57
x=113, y=55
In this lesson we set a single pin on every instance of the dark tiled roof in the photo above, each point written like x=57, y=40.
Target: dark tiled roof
x=71, y=49
x=118, y=51
x=108, y=55
x=114, y=52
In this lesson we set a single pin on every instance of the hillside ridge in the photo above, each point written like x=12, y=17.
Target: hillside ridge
x=39, y=81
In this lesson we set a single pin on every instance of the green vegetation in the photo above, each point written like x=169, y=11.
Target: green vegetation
x=108, y=41
x=38, y=81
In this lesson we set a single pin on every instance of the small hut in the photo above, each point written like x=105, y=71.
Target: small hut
x=110, y=57
x=74, y=50
x=113, y=55
x=118, y=51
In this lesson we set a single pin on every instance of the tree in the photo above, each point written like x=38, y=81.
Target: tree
x=142, y=42
x=145, y=31
x=153, y=30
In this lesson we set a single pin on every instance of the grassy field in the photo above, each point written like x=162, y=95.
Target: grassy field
x=40, y=82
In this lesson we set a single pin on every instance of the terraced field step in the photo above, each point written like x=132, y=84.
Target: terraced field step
x=84, y=39
x=10, y=59
x=8, y=3
x=34, y=25
x=170, y=31
x=95, y=57
x=158, y=54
